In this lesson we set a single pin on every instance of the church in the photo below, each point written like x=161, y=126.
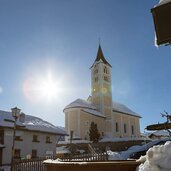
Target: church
x=113, y=119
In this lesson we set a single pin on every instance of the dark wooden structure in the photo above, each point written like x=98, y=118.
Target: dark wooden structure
x=162, y=22
x=162, y=126
x=93, y=166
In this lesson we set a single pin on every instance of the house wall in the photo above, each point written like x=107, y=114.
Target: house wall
x=27, y=145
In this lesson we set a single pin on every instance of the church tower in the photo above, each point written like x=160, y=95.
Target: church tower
x=101, y=85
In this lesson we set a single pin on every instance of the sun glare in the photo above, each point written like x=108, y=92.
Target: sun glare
x=48, y=88
x=39, y=88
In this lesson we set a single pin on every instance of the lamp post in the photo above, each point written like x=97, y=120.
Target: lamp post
x=15, y=115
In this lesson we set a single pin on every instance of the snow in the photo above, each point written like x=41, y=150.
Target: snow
x=61, y=162
x=113, y=155
x=80, y=103
x=109, y=139
x=29, y=123
x=124, y=155
x=94, y=112
x=62, y=150
x=124, y=109
x=161, y=2
x=118, y=107
x=157, y=158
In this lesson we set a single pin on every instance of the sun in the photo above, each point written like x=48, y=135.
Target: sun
x=48, y=87
x=42, y=88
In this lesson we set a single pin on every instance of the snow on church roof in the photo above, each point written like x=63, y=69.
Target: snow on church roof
x=118, y=107
x=81, y=104
x=94, y=112
x=29, y=123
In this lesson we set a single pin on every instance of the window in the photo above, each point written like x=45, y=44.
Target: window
x=124, y=128
x=95, y=71
x=17, y=153
x=1, y=136
x=132, y=129
x=35, y=138
x=34, y=154
x=105, y=70
x=96, y=79
x=117, y=128
x=18, y=138
x=48, y=139
x=106, y=78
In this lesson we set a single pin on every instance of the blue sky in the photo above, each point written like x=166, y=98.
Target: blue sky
x=61, y=38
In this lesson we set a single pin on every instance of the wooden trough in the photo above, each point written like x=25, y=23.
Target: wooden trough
x=126, y=165
x=162, y=126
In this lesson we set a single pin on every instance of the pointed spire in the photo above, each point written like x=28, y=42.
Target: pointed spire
x=100, y=56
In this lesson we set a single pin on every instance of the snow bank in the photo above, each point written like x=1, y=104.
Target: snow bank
x=113, y=155
x=158, y=158
x=59, y=161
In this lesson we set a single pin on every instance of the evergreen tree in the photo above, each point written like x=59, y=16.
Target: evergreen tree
x=94, y=133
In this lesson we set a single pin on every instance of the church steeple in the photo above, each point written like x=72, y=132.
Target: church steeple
x=101, y=84
x=101, y=57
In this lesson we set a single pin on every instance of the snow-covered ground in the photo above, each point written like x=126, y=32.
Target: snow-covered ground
x=125, y=155
x=157, y=158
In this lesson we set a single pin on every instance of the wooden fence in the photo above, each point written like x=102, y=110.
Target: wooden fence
x=86, y=157
x=29, y=165
x=37, y=164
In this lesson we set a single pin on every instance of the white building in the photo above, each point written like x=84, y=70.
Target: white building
x=34, y=137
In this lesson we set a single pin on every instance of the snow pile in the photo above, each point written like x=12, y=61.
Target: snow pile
x=157, y=158
x=62, y=150
x=113, y=155
x=59, y=161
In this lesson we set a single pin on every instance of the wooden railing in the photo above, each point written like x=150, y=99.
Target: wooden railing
x=30, y=164
x=86, y=157
x=37, y=164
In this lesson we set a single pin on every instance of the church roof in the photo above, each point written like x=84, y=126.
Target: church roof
x=100, y=56
x=117, y=107
x=94, y=112
x=80, y=103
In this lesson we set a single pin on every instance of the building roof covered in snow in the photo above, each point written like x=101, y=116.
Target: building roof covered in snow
x=28, y=122
x=117, y=107
x=94, y=112
x=80, y=103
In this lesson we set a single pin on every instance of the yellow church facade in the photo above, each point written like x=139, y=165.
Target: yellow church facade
x=113, y=119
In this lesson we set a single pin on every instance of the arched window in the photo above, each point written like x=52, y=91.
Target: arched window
x=105, y=70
